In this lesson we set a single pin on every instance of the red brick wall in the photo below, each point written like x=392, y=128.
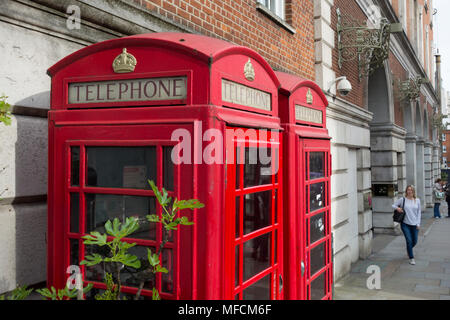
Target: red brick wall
x=349, y=69
x=239, y=21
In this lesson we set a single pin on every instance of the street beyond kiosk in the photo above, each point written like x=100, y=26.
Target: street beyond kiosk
x=115, y=107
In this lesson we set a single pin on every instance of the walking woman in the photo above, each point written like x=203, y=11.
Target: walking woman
x=411, y=223
x=437, y=190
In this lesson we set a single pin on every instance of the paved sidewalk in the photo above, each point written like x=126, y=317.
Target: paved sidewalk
x=428, y=279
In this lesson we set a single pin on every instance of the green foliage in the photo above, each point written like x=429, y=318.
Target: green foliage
x=168, y=215
x=118, y=249
x=20, y=293
x=5, y=114
x=112, y=290
x=62, y=294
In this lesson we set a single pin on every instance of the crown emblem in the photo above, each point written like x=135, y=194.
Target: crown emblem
x=309, y=97
x=249, y=72
x=124, y=62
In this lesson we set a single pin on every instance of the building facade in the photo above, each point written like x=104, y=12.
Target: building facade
x=382, y=139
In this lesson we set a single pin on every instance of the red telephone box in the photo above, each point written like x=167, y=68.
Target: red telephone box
x=307, y=201
x=185, y=111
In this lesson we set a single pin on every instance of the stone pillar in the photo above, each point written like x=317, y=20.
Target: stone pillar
x=436, y=162
x=365, y=234
x=420, y=172
x=411, y=171
x=428, y=157
x=387, y=142
x=323, y=42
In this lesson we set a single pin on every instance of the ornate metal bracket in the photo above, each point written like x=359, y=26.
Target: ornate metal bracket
x=410, y=89
x=370, y=46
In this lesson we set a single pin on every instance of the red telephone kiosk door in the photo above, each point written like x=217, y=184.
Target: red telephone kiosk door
x=254, y=216
x=316, y=219
x=307, y=167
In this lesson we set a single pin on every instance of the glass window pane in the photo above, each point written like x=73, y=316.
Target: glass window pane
x=238, y=217
x=131, y=277
x=74, y=252
x=97, y=272
x=167, y=278
x=259, y=290
x=74, y=212
x=238, y=168
x=317, y=227
x=257, y=255
x=276, y=206
x=306, y=166
x=103, y=207
x=317, y=258
x=236, y=266
x=75, y=166
x=317, y=196
x=121, y=167
x=257, y=167
x=316, y=165
x=257, y=211
x=168, y=168
x=318, y=288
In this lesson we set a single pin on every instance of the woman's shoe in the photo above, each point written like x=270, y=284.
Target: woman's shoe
x=412, y=261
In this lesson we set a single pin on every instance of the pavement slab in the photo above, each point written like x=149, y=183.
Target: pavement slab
x=428, y=279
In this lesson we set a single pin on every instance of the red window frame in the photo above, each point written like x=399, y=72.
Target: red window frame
x=275, y=270
x=82, y=190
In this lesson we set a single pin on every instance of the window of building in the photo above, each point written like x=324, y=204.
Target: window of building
x=444, y=160
x=275, y=6
x=444, y=137
x=444, y=149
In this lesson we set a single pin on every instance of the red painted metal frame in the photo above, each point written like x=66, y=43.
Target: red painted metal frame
x=299, y=138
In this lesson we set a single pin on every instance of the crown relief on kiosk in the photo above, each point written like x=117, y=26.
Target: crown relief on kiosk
x=124, y=62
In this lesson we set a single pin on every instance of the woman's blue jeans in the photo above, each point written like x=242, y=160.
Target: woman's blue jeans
x=411, y=235
x=436, y=210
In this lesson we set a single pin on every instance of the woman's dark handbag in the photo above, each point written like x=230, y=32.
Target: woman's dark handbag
x=398, y=217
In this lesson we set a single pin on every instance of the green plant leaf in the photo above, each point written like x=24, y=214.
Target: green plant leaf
x=152, y=258
x=20, y=293
x=155, y=295
x=155, y=191
x=188, y=204
x=153, y=218
x=185, y=221
x=171, y=226
x=88, y=288
x=92, y=260
x=95, y=238
x=161, y=269
x=46, y=293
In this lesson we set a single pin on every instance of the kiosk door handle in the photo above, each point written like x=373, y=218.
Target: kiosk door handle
x=302, y=268
x=281, y=283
